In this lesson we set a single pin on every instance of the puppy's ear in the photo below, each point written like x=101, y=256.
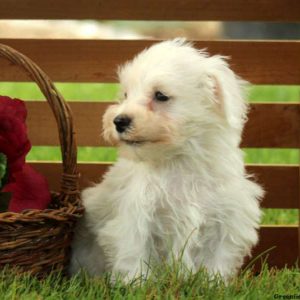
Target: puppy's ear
x=229, y=92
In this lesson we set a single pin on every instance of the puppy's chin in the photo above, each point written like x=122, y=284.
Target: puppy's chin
x=114, y=139
x=134, y=143
x=153, y=152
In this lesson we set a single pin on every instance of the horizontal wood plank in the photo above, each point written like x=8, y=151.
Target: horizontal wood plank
x=281, y=245
x=234, y=10
x=273, y=125
x=260, y=62
x=269, y=125
x=280, y=182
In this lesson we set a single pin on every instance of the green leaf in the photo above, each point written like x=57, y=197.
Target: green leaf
x=3, y=169
x=4, y=201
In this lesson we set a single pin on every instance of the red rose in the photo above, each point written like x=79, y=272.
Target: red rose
x=29, y=190
x=14, y=142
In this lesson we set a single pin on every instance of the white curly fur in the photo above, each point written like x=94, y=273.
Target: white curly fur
x=180, y=180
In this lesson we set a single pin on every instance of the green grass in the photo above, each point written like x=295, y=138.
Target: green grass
x=269, y=93
x=109, y=154
x=108, y=92
x=274, y=216
x=271, y=156
x=163, y=283
x=85, y=154
x=70, y=91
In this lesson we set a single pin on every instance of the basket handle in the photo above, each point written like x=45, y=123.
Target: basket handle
x=63, y=116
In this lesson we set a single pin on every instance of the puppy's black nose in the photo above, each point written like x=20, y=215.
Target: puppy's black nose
x=122, y=122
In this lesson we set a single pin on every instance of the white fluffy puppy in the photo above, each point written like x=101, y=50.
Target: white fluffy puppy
x=179, y=187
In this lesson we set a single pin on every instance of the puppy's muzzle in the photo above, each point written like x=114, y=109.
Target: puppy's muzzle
x=122, y=123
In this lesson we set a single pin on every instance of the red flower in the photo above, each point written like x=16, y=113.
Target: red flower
x=14, y=142
x=29, y=190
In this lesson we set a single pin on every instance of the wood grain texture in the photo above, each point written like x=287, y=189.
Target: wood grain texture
x=280, y=182
x=234, y=10
x=273, y=125
x=282, y=243
x=97, y=60
x=269, y=125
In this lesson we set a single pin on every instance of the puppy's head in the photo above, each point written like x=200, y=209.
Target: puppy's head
x=172, y=93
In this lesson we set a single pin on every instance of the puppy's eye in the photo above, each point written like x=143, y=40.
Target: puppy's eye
x=125, y=95
x=159, y=96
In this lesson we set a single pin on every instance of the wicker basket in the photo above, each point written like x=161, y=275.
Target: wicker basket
x=38, y=241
